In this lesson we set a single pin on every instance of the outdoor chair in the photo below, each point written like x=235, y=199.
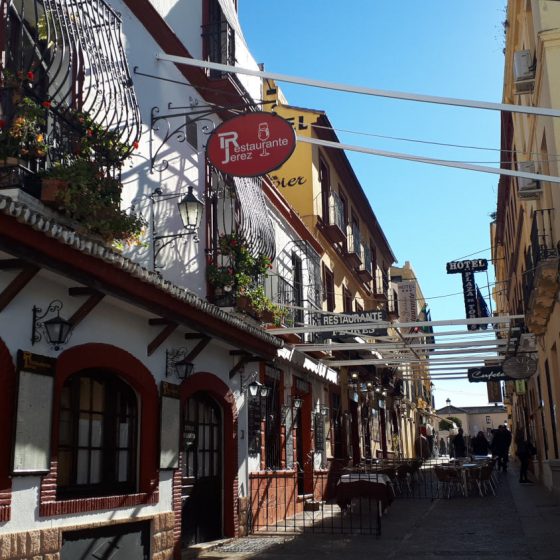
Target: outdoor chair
x=486, y=473
x=473, y=478
x=403, y=477
x=450, y=479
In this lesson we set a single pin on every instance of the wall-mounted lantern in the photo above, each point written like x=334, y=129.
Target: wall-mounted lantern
x=57, y=330
x=176, y=363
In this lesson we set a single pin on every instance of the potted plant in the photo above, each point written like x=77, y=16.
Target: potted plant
x=91, y=197
x=254, y=301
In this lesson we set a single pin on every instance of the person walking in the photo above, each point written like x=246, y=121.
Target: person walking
x=459, y=445
x=525, y=452
x=480, y=445
x=500, y=446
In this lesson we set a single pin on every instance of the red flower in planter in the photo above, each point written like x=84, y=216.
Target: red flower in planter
x=135, y=145
x=47, y=104
x=30, y=75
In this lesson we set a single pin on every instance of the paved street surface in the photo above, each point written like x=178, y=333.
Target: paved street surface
x=521, y=522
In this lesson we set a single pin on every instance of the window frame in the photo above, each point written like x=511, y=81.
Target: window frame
x=109, y=485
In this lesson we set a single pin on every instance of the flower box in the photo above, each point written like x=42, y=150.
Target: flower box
x=51, y=188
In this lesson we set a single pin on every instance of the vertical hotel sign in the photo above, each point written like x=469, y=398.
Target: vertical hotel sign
x=251, y=145
x=467, y=270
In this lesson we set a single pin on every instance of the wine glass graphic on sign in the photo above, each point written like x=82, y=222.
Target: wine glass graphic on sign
x=263, y=135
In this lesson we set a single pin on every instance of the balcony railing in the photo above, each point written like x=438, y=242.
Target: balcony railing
x=335, y=229
x=354, y=245
x=381, y=282
x=68, y=57
x=365, y=269
x=541, y=284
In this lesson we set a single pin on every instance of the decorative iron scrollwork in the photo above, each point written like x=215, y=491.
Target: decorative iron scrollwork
x=180, y=126
x=74, y=52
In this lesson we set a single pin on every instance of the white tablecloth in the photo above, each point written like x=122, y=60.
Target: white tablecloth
x=370, y=477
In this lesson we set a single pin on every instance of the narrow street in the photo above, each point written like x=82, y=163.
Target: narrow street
x=520, y=523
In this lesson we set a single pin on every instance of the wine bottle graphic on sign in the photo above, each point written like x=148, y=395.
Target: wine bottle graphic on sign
x=263, y=135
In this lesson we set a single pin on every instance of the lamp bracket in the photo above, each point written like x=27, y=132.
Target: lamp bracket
x=245, y=359
x=177, y=357
x=38, y=324
x=161, y=241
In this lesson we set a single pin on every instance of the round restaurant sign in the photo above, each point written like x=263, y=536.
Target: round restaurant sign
x=251, y=145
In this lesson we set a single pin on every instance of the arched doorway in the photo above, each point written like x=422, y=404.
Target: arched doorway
x=202, y=476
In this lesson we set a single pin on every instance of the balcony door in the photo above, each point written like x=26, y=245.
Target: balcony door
x=202, y=485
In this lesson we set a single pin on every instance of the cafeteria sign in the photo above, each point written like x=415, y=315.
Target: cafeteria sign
x=251, y=145
x=487, y=373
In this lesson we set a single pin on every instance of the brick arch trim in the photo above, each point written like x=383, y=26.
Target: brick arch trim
x=135, y=373
x=7, y=411
x=210, y=384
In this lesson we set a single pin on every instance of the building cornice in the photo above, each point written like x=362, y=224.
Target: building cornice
x=45, y=242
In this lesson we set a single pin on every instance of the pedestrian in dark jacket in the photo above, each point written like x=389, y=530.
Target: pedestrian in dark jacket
x=500, y=446
x=480, y=445
x=525, y=451
x=459, y=445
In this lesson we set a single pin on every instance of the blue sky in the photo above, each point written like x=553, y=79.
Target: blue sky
x=430, y=215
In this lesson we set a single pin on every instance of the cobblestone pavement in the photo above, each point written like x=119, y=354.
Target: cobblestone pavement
x=521, y=523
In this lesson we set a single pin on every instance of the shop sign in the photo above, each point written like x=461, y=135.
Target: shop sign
x=473, y=265
x=494, y=389
x=354, y=319
x=488, y=373
x=308, y=364
x=251, y=145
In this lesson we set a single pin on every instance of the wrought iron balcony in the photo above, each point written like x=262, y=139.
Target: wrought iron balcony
x=335, y=229
x=381, y=283
x=365, y=269
x=354, y=246
x=541, y=283
x=68, y=58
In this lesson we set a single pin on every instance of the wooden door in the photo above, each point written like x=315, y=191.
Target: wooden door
x=202, y=471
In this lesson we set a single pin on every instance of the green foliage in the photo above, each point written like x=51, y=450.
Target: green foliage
x=92, y=198
x=447, y=423
x=236, y=270
x=24, y=136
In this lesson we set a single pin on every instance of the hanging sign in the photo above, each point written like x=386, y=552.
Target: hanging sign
x=355, y=319
x=251, y=145
x=474, y=265
x=487, y=373
x=494, y=389
x=474, y=303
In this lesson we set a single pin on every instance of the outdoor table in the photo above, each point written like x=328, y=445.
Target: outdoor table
x=364, y=485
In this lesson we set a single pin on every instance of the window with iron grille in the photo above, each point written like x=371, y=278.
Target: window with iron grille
x=324, y=178
x=97, y=436
x=218, y=39
x=272, y=423
x=328, y=288
x=319, y=431
x=347, y=299
x=297, y=267
x=337, y=429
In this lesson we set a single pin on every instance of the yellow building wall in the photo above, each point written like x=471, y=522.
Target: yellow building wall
x=298, y=181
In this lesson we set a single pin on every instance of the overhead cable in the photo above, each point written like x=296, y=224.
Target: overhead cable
x=545, y=111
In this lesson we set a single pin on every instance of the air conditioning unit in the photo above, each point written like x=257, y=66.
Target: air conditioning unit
x=527, y=189
x=523, y=71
